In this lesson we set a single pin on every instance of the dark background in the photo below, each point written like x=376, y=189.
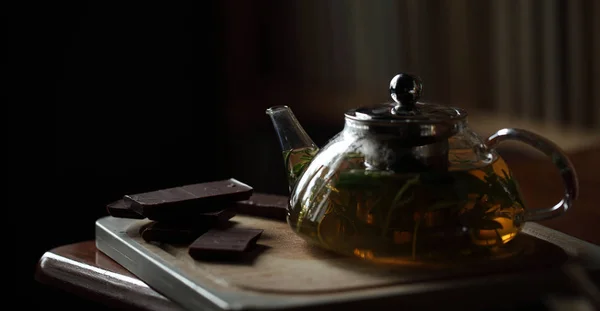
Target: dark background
x=106, y=99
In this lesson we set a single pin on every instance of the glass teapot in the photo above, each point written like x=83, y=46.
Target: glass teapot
x=409, y=182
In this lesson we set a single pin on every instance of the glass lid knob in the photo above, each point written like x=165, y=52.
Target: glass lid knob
x=405, y=90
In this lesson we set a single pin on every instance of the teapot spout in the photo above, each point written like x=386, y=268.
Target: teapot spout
x=297, y=147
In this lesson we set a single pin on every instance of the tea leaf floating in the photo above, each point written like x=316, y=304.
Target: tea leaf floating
x=296, y=161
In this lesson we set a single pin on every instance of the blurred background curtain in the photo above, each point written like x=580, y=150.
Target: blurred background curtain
x=526, y=63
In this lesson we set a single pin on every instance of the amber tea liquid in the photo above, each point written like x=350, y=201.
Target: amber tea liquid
x=469, y=210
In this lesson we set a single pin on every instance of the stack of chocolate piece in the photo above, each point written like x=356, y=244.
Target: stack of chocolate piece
x=199, y=214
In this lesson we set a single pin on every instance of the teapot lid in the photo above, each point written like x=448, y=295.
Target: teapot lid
x=405, y=91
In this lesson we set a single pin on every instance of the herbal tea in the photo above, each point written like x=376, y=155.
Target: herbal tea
x=468, y=210
x=296, y=161
x=409, y=182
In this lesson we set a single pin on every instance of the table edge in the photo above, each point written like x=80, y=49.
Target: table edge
x=99, y=285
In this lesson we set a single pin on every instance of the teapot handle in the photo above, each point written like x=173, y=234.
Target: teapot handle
x=559, y=158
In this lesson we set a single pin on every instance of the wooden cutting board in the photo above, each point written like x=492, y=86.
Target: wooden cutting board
x=284, y=271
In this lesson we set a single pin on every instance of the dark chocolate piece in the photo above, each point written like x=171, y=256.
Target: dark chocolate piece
x=207, y=197
x=224, y=244
x=264, y=205
x=121, y=209
x=172, y=234
x=195, y=216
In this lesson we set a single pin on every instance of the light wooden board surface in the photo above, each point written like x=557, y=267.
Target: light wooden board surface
x=285, y=263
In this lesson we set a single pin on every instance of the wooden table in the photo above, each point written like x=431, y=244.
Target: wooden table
x=81, y=269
